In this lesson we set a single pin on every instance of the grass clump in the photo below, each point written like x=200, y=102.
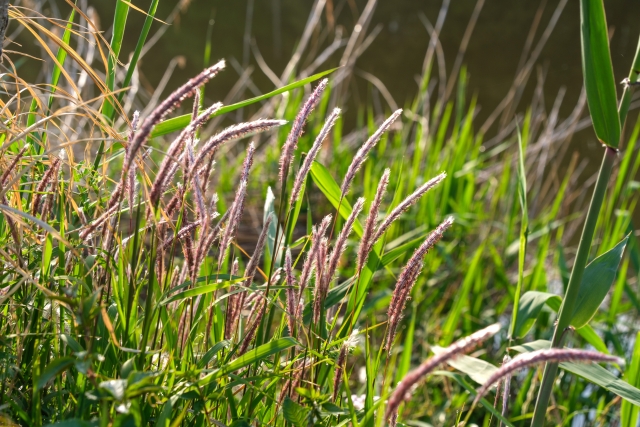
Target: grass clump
x=283, y=271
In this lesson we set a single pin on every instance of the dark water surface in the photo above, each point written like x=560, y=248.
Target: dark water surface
x=397, y=54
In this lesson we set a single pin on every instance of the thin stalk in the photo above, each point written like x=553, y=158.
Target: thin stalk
x=629, y=86
x=584, y=247
x=146, y=27
x=568, y=304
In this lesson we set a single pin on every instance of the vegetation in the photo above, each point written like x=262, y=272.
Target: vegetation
x=405, y=273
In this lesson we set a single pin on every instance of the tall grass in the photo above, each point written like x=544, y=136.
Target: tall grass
x=286, y=271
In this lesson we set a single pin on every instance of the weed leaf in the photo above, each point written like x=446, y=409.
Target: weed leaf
x=596, y=282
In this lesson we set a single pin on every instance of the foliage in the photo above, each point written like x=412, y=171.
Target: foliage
x=225, y=300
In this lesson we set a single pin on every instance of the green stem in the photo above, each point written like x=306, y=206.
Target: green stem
x=628, y=90
x=567, y=308
x=568, y=303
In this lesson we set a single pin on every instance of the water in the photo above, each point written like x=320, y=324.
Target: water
x=396, y=55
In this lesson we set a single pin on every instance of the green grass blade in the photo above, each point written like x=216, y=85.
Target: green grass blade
x=180, y=122
x=138, y=50
x=252, y=356
x=119, y=24
x=331, y=190
x=628, y=411
x=524, y=232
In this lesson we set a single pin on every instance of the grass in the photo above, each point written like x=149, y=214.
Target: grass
x=214, y=297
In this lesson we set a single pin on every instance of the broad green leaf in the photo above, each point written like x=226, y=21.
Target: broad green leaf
x=115, y=388
x=178, y=123
x=531, y=304
x=331, y=190
x=596, y=282
x=71, y=343
x=472, y=390
x=251, y=356
x=477, y=369
x=628, y=412
x=591, y=372
x=53, y=369
x=294, y=413
x=554, y=302
x=598, y=72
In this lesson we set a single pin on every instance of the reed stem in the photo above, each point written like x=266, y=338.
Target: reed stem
x=584, y=247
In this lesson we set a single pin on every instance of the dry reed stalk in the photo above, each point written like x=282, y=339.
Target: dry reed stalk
x=311, y=155
x=249, y=273
x=234, y=218
x=189, y=228
x=506, y=392
x=555, y=355
x=159, y=113
x=232, y=312
x=289, y=387
x=462, y=346
x=408, y=278
x=203, y=212
x=234, y=132
x=292, y=297
x=206, y=242
x=319, y=291
x=166, y=106
x=339, y=369
x=131, y=176
x=12, y=166
x=363, y=152
x=307, y=267
x=291, y=143
x=187, y=249
x=406, y=204
x=13, y=228
x=341, y=244
x=167, y=167
x=257, y=314
x=49, y=175
x=238, y=206
x=370, y=225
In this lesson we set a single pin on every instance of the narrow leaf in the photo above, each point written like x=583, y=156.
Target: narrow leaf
x=180, y=122
x=251, y=356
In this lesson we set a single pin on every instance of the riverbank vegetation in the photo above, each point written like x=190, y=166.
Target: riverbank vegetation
x=164, y=264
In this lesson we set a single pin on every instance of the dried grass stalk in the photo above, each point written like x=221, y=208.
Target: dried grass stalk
x=405, y=205
x=366, y=243
x=311, y=155
x=554, y=355
x=364, y=150
x=408, y=278
x=462, y=346
x=291, y=143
